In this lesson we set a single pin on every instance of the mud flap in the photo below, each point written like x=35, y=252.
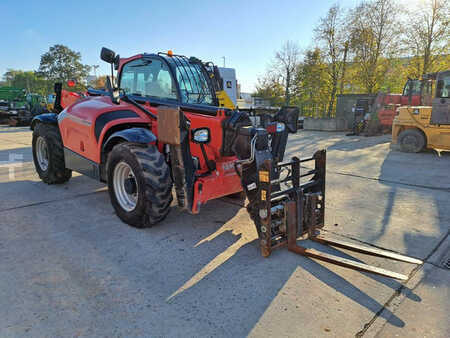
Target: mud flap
x=173, y=129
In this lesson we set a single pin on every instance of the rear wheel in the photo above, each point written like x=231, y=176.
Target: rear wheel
x=48, y=154
x=411, y=141
x=139, y=184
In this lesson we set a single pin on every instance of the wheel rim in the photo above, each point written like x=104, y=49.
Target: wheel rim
x=125, y=186
x=42, y=153
x=410, y=142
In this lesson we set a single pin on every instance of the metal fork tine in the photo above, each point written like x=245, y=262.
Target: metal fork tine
x=365, y=249
x=348, y=263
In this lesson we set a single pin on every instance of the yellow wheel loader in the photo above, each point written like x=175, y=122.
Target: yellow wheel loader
x=418, y=127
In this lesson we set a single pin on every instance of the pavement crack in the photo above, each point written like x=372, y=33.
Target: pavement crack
x=51, y=201
x=399, y=290
x=437, y=246
x=378, y=179
x=445, y=189
x=437, y=266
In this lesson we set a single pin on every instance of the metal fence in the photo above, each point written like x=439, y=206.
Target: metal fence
x=316, y=110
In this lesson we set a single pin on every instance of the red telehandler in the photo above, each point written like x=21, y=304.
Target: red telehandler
x=161, y=126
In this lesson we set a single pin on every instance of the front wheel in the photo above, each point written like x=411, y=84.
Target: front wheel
x=48, y=154
x=139, y=183
x=411, y=141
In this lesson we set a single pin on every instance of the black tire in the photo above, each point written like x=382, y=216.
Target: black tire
x=411, y=141
x=55, y=172
x=152, y=183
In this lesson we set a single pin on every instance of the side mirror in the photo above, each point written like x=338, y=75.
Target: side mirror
x=201, y=135
x=289, y=116
x=108, y=55
x=114, y=92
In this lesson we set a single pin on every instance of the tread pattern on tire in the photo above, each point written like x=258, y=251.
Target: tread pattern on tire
x=157, y=180
x=56, y=172
x=412, y=132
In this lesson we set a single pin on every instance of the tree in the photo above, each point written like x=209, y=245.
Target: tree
x=374, y=36
x=284, y=67
x=99, y=82
x=311, y=83
x=344, y=66
x=27, y=80
x=427, y=34
x=330, y=34
x=270, y=89
x=61, y=64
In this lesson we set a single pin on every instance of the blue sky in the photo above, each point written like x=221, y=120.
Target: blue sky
x=247, y=33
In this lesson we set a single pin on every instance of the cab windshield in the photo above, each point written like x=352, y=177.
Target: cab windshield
x=193, y=81
x=148, y=77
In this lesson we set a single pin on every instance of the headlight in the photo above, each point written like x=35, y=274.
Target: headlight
x=280, y=127
x=200, y=135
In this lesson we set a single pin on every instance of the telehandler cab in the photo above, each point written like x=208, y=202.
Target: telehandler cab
x=161, y=126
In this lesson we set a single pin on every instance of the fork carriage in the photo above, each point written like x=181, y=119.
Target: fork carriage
x=294, y=205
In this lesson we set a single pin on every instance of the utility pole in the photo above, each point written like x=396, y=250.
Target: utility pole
x=95, y=70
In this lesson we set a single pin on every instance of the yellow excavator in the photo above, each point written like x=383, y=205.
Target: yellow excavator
x=427, y=126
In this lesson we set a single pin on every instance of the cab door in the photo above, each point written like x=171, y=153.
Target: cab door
x=441, y=102
x=440, y=114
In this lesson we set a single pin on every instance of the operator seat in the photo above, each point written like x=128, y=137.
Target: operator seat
x=153, y=88
x=446, y=92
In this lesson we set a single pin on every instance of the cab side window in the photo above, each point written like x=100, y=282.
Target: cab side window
x=443, y=87
x=414, y=85
x=149, y=78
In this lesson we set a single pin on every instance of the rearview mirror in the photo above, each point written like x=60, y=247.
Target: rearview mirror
x=114, y=92
x=107, y=55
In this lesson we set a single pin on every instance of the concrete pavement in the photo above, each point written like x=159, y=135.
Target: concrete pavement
x=70, y=267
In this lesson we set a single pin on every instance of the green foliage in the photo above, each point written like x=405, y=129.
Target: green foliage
x=270, y=89
x=332, y=39
x=373, y=39
x=61, y=64
x=27, y=80
x=98, y=83
x=312, y=84
x=427, y=34
x=372, y=48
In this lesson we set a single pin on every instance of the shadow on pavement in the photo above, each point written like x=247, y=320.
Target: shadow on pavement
x=205, y=268
x=183, y=261
x=424, y=178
